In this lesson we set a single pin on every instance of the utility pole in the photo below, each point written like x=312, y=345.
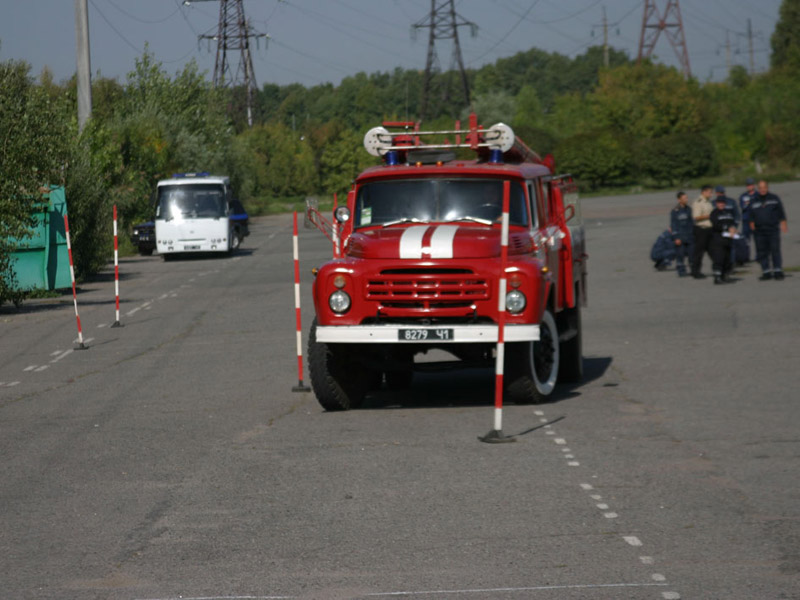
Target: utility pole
x=605, y=38
x=83, y=62
x=443, y=23
x=750, y=45
x=671, y=24
x=728, y=52
x=234, y=33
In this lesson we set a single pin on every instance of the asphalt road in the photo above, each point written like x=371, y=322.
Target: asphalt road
x=172, y=459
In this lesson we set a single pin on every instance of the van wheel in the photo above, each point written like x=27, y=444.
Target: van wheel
x=571, y=368
x=532, y=367
x=339, y=381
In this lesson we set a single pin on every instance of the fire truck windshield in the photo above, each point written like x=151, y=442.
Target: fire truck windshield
x=437, y=200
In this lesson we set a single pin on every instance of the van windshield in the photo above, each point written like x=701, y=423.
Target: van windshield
x=191, y=201
x=439, y=200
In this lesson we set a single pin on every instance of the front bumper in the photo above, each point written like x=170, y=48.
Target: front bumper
x=390, y=334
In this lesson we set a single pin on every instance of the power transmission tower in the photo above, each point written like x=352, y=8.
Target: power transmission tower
x=234, y=34
x=443, y=23
x=671, y=24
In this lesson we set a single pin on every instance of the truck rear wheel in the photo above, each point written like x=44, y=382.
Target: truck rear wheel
x=338, y=380
x=532, y=367
x=571, y=368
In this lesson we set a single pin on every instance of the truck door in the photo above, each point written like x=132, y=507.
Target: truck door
x=566, y=288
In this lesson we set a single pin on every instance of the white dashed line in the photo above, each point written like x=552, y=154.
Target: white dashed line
x=658, y=577
x=671, y=595
x=539, y=413
x=29, y=368
x=574, y=463
x=602, y=506
x=12, y=383
x=102, y=325
x=560, y=441
x=40, y=369
x=611, y=515
x=55, y=352
x=596, y=497
x=133, y=311
x=62, y=355
x=647, y=560
x=632, y=540
x=586, y=486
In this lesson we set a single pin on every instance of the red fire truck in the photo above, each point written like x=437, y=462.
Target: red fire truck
x=419, y=267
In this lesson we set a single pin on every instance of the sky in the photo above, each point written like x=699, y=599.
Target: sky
x=318, y=41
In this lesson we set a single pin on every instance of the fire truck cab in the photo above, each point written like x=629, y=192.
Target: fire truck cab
x=419, y=268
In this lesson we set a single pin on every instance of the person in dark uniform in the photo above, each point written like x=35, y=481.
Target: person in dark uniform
x=745, y=199
x=681, y=226
x=767, y=221
x=723, y=227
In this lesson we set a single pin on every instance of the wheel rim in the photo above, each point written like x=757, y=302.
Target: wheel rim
x=545, y=355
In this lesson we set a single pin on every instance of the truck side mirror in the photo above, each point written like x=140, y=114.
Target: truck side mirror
x=569, y=212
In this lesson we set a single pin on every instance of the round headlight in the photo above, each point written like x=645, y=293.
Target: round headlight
x=342, y=214
x=515, y=301
x=339, y=301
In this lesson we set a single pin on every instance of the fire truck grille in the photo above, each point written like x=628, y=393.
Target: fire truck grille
x=432, y=288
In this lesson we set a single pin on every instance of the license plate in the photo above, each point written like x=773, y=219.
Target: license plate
x=191, y=247
x=425, y=335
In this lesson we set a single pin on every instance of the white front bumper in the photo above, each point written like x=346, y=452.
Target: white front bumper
x=389, y=334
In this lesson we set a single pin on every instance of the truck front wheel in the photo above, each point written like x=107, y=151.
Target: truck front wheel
x=339, y=381
x=531, y=368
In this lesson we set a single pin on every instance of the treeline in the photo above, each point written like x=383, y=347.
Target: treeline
x=610, y=126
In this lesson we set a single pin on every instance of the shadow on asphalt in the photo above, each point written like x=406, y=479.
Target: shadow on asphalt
x=468, y=388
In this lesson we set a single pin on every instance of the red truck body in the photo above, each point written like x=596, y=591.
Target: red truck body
x=420, y=268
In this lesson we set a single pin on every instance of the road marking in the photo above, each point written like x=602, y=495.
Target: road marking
x=12, y=383
x=560, y=441
x=611, y=515
x=574, y=463
x=30, y=368
x=56, y=352
x=539, y=413
x=569, y=456
x=163, y=296
x=62, y=355
x=602, y=506
x=596, y=497
x=632, y=540
x=658, y=577
x=40, y=369
x=101, y=325
x=647, y=560
x=586, y=486
x=133, y=311
x=671, y=595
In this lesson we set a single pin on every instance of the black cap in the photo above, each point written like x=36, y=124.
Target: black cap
x=749, y=181
x=719, y=189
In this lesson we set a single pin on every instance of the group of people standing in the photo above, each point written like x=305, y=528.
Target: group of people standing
x=714, y=226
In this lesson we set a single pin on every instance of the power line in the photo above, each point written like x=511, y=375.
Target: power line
x=111, y=25
x=139, y=19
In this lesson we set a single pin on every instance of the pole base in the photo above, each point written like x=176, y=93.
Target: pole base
x=300, y=387
x=117, y=324
x=496, y=436
x=81, y=346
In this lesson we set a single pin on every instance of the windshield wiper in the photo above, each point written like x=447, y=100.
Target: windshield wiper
x=473, y=219
x=403, y=220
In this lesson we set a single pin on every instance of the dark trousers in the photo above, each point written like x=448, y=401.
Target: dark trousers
x=720, y=255
x=683, y=254
x=768, y=245
x=701, y=245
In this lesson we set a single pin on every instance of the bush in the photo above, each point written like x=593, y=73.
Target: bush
x=675, y=158
x=597, y=158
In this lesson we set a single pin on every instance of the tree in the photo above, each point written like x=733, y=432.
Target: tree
x=648, y=101
x=598, y=157
x=785, y=39
x=32, y=154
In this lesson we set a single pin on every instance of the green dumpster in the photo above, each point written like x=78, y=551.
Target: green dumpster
x=41, y=259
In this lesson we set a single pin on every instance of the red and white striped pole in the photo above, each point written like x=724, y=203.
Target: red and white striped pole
x=74, y=292
x=300, y=387
x=496, y=434
x=335, y=229
x=116, y=268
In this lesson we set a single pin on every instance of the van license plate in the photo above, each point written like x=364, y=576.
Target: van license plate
x=187, y=247
x=425, y=335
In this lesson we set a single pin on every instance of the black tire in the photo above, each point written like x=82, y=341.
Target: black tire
x=571, y=364
x=338, y=380
x=531, y=368
x=236, y=241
